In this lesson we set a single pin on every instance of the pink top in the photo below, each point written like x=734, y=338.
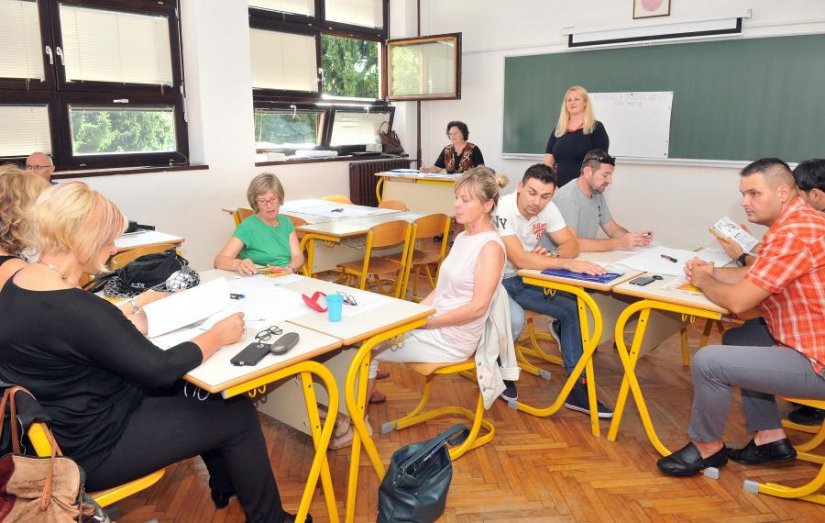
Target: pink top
x=456, y=281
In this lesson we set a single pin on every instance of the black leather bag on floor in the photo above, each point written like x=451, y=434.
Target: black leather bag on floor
x=415, y=487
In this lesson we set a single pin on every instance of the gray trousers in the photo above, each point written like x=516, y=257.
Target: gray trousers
x=760, y=370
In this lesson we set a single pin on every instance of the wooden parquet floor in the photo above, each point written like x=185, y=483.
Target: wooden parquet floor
x=535, y=470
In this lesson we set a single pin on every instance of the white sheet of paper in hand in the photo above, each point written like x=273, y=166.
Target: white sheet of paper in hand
x=187, y=307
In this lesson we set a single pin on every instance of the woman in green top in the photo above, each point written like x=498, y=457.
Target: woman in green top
x=265, y=238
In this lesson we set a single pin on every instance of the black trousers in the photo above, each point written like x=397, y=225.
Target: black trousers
x=226, y=434
x=753, y=333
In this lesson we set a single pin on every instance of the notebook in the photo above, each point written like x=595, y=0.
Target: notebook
x=564, y=273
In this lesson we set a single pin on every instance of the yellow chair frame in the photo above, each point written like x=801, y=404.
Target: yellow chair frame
x=39, y=438
x=425, y=228
x=529, y=344
x=418, y=415
x=382, y=235
x=808, y=491
x=398, y=205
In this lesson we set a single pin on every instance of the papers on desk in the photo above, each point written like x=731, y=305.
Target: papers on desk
x=336, y=210
x=660, y=260
x=405, y=171
x=187, y=307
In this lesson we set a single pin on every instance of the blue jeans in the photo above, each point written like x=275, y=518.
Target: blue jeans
x=561, y=306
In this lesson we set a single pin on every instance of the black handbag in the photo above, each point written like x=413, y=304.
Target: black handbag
x=165, y=271
x=415, y=487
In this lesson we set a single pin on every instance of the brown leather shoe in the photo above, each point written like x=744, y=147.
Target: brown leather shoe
x=752, y=454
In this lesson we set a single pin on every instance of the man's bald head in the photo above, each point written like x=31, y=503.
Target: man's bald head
x=40, y=164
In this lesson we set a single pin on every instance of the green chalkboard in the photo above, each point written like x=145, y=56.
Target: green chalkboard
x=733, y=100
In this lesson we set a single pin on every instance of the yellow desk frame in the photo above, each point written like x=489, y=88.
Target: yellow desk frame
x=589, y=343
x=356, y=399
x=629, y=359
x=320, y=435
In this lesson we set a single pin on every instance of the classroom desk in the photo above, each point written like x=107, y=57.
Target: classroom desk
x=396, y=317
x=218, y=375
x=430, y=193
x=590, y=320
x=316, y=210
x=145, y=238
x=655, y=296
x=328, y=249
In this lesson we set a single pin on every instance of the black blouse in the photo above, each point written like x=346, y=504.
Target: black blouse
x=85, y=362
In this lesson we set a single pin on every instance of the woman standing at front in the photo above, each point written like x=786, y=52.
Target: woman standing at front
x=577, y=132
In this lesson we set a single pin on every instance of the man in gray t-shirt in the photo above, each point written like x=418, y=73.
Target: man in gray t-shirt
x=584, y=208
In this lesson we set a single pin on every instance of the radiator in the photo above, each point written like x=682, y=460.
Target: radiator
x=362, y=179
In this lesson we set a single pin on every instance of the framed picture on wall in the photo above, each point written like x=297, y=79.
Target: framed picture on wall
x=650, y=8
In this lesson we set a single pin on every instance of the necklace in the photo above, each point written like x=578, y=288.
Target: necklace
x=62, y=274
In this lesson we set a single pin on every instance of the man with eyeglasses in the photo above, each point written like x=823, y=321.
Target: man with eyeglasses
x=584, y=208
x=40, y=164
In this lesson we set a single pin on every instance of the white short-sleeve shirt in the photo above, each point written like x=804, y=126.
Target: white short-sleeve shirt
x=509, y=221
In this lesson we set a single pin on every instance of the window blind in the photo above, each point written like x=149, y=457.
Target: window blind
x=25, y=129
x=365, y=13
x=111, y=46
x=301, y=7
x=356, y=128
x=21, y=50
x=283, y=61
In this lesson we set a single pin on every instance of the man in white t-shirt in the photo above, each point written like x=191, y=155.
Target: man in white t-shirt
x=522, y=219
x=585, y=210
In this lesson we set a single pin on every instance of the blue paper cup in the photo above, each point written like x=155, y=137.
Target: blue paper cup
x=335, y=303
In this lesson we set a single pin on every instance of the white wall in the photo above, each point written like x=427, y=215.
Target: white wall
x=678, y=202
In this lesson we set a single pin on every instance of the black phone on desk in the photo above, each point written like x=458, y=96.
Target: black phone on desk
x=251, y=354
x=641, y=281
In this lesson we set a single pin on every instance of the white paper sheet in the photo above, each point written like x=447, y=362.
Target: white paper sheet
x=652, y=259
x=187, y=307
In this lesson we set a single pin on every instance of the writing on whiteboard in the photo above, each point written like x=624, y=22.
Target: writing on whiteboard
x=638, y=123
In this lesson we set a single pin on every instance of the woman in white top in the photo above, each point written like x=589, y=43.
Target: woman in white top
x=467, y=279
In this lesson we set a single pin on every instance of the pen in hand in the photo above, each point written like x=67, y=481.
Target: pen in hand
x=669, y=258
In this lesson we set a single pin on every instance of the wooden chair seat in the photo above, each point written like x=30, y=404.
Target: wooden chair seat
x=393, y=234
x=809, y=491
x=425, y=257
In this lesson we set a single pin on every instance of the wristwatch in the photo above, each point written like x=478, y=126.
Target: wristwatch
x=740, y=261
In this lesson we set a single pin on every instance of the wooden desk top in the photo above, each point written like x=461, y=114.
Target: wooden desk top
x=419, y=176
x=145, y=239
x=381, y=312
x=626, y=274
x=658, y=291
x=217, y=374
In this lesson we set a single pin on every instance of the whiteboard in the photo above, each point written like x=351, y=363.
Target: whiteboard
x=637, y=123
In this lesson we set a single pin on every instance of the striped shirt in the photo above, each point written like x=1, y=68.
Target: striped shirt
x=791, y=266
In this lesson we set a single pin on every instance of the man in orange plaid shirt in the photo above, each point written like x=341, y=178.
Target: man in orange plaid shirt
x=787, y=282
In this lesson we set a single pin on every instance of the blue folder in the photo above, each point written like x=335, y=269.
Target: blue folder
x=564, y=273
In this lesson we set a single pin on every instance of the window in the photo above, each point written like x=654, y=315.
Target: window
x=311, y=61
x=288, y=129
x=103, y=77
x=426, y=68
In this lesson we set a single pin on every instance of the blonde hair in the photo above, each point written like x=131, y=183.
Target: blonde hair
x=482, y=183
x=262, y=184
x=564, y=116
x=18, y=191
x=72, y=218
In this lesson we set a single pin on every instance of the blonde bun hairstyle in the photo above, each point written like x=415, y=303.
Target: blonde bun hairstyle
x=482, y=183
